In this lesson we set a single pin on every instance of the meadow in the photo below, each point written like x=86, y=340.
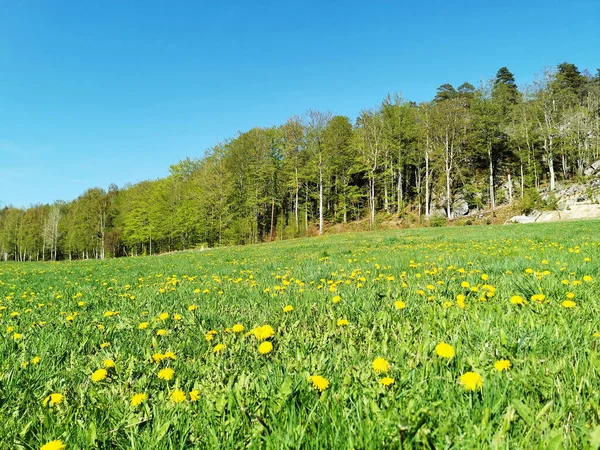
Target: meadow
x=461, y=337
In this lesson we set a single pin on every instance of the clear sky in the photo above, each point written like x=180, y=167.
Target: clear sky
x=95, y=92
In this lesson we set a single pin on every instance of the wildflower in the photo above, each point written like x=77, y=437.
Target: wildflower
x=342, y=322
x=219, y=348
x=105, y=344
x=587, y=279
x=178, y=396
x=265, y=347
x=502, y=365
x=194, y=395
x=262, y=333
x=465, y=284
x=166, y=374
x=460, y=301
x=137, y=399
x=387, y=381
x=568, y=304
x=210, y=334
x=538, y=297
x=193, y=307
x=158, y=357
x=54, y=399
x=169, y=355
x=163, y=316
x=108, y=363
x=444, y=350
x=35, y=360
x=177, y=317
x=237, y=328
x=596, y=334
x=570, y=295
x=288, y=308
x=143, y=325
x=380, y=365
x=320, y=383
x=336, y=299
x=54, y=445
x=518, y=300
x=17, y=336
x=99, y=375
x=471, y=381
x=161, y=332
x=399, y=304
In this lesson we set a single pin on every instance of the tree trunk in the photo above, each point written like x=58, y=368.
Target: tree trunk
x=492, y=194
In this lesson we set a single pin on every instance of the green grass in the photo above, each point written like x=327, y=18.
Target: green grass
x=548, y=399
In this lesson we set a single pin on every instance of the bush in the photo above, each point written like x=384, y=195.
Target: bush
x=530, y=201
x=437, y=221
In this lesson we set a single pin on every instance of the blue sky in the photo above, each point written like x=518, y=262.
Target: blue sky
x=98, y=91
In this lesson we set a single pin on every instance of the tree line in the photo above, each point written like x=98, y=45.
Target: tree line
x=466, y=149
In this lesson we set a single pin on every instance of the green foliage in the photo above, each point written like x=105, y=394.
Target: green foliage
x=438, y=221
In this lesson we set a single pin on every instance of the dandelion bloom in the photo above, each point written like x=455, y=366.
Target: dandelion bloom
x=320, y=383
x=336, y=299
x=596, y=334
x=54, y=445
x=517, y=300
x=387, y=381
x=143, y=325
x=502, y=365
x=342, y=322
x=54, y=399
x=166, y=374
x=169, y=355
x=178, y=396
x=587, y=279
x=99, y=375
x=137, y=399
x=36, y=360
x=380, y=365
x=105, y=344
x=399, y=304
x=237, y=328
x=108, y=363
x=288, y=308
x=158, y=357
x=444, y=350
x=465, y=284
x=164, y=316
x=265, y=347
x=568, y=304
x=161, y=332
x=193, y=307
x=570, y=295
x=194, y=395
x=471, y=381
x=538, y=297
x=262, y=333
x=219, y=348
x=17, y=336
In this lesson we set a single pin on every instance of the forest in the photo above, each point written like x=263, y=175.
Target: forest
x=468, y=149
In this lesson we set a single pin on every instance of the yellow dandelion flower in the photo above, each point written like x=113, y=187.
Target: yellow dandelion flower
x=17, y=336
x=568, y=304
x=169, y=355
x=399, y=304
x=166, y=374
x=320, y=383
x=518, y=300
x=163, y=316
x=587, y=279
x=538, y=297
x=502, y=365
x=218, y=348
x=193, y=307
x=288, y=308
x=35, y=360
x=105, y=344
x=161, y=332
x=471, y=381
x=54, y=399
x=465, y=284
x=178, y=396
x=237, y=328
x=262, y=333
x=99, y=375
x=137, y=399
x=387, y=381
x=380, y=365
x=596, y=334
x=108, y=363
x=54, y=445
x=444, y=350
x=265, y=348
x=158, y=357
x=143, y=325
x=336, y=299
x=194, y=395
x=342, y=322
x=570, y=295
